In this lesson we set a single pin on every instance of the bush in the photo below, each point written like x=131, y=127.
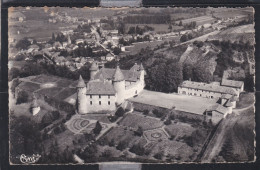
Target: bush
x=107, y=153
x=158, y=155
x=157, y=113
x=111, y=143
x=55, y=115
x=103, y=141
x=120, y=112
x=146, y=112
x=97, y=128
x=121, y=145
x=137, y=149
x=139, y=131
x=22, y=97
x=168, y=121
x=112, y=118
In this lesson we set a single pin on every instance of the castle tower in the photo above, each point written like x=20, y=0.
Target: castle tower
x=93, y=70
x=81, y=96
x=119, y=85
x=35, y=108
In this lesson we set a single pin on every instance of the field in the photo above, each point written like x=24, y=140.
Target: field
x=52, y=86
x=199, y=20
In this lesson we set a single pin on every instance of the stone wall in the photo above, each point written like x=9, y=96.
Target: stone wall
x=200, y=93
x=100, y=103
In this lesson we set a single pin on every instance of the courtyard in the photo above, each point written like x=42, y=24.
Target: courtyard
x=191, y=104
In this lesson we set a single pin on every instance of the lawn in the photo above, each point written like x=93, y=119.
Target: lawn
x=134, y=120
x=64, y=83
x=245, y=100
x=28, y=86
x=179, y=129
x=45, y=79
x=123, y=134
x=65, y=93
x=50, y=91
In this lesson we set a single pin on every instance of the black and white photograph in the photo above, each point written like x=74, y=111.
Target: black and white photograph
x=131, y=85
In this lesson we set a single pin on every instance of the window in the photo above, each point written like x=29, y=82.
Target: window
x=99, y=102
x=90, y=102
x=109, y=96
x=212, y=97
x=108, y=102
x=209, y=113
x=136, y=92
x=90, y=96
x=100, y=96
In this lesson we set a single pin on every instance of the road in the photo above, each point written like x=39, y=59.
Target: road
x=217, y=141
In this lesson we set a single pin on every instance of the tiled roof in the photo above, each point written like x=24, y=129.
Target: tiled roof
x=108, y=73
x=232, y=83
x=118, y=75
x=208, y=87
x=100, y=87
x=81, y=82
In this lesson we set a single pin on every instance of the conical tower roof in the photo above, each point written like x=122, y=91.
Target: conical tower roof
x=81, y=82
x=94, y=67
x=118, y=75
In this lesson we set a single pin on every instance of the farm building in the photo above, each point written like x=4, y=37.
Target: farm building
x=108, y=88
x=212, y=90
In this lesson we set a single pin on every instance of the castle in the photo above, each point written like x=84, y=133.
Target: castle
x=108, y=88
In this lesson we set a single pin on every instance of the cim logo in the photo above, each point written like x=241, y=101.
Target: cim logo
x=29, y=159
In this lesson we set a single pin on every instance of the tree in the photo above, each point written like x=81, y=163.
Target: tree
x=146, y=112
x=22, y=97
x=168, y=121
x=116, y=50
x=121, y=145
x=120, y=112
x=170, y=27
x=187, y=71
x=55, y=115
x=107, y=153
x=23, y=44
x=109, y=45
x=200, y=74
x=97, y=128
x=180, y=23
x=183, y=38
x=131, y=30
x=137, y=149
x=139, y=131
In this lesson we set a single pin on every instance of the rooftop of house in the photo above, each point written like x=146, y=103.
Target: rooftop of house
x=208, y=87
x=100, y=87
x=219, y=108
x=232, y=83
x=129, y=75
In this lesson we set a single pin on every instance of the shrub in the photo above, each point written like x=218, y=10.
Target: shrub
x=168, y=121
x=103, y=141
x=120, y=112
x=139, y=131
x=137, y=149
x=146, y=112
x=22, y=97
x=97, y=128
x=111, y=143
x=112, y=118
x=121, y=145
x=158, y=155
x=158, y=113
x=55, y=115
x=107, y=153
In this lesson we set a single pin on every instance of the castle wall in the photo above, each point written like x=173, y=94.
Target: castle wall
x=133, y=89
x=82, y=100
x=200, y=93
x=97, y=103
x=120, y=90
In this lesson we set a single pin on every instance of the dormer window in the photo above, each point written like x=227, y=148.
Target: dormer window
x=100, y=96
